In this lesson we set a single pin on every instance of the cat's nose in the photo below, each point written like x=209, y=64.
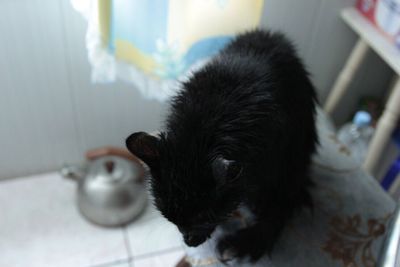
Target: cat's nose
x=194, y=240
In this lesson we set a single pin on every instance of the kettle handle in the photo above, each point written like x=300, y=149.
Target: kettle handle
x=111, y=151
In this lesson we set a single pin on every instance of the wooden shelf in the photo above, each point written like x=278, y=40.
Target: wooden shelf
x=375, y=39
x=369, y=38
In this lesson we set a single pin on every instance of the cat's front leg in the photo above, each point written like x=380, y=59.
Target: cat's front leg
x=249, y=243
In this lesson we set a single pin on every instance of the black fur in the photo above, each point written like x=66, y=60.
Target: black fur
x=241, y=131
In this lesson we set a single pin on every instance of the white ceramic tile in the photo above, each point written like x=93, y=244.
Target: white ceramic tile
x=120, y=263
x=162, y=260
x=41, y=226
x=152, y=233
x=125, y=264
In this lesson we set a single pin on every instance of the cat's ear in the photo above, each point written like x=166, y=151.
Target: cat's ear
x=145, y=147
x=225, y=171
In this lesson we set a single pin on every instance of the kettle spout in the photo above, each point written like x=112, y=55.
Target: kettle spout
x=73, y=172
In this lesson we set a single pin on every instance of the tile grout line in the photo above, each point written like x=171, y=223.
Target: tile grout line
x=127, y=245
x=71, y=83
x=112, y=263
x=159, y=252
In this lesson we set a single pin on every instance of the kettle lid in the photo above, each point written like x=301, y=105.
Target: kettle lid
x=114, y=169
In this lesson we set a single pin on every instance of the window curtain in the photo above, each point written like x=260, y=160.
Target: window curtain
x=153, y=44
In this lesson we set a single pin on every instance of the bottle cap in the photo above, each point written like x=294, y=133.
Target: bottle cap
x=362, y=118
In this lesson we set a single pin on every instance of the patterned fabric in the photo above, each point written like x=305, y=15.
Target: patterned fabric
x=153, y=43
x=346, y=227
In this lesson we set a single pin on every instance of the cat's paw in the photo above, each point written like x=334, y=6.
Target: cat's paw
x=227, y=250
x=242, y=246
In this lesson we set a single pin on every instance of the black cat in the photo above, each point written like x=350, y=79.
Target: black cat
x=241, y=132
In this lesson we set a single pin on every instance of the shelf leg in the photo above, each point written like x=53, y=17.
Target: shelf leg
x=384, y=129
x=346, y=75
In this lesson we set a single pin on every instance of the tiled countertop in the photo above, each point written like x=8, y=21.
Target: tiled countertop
x=40, y=226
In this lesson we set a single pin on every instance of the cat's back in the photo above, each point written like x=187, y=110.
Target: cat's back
x=255, y=77
x=262, y=45
x=254, y=63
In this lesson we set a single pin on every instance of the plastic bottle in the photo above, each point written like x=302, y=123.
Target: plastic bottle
x=356, y=135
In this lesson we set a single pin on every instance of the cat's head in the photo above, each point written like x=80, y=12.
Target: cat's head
x=194, y=189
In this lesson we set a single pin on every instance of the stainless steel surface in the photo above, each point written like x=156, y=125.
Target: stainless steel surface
x=74, y=172
x=110, y=190
x=390, y=254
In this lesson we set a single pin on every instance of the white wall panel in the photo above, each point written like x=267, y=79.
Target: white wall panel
x=37, y=128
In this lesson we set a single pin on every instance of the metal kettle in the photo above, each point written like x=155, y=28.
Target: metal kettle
x=111, y=189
